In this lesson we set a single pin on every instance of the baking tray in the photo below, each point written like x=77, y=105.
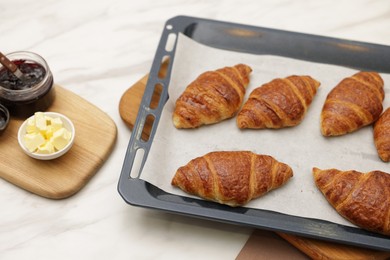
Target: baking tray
x=255, y=40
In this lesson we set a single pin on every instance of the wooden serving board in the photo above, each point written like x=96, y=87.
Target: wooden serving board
x=62, y=177
x=316, y=249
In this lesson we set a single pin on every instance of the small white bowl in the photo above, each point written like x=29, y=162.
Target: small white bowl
x=67, y=125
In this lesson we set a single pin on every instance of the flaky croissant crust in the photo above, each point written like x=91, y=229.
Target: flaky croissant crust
x=355, y=102
x=231, y=177
x=279, y=103
x=361, y=198
x=382, y=135
x=212, y=97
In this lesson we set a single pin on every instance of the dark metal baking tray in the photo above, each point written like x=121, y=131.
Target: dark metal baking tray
x=256, y=40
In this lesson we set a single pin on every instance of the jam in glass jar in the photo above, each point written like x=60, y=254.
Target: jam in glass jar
x=34, y=92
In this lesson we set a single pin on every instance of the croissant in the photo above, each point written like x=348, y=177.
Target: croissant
x=361, y=198
x=355, y=102
x=212, y=97
x=231, y=177
x=279, y=103
x=382, y=135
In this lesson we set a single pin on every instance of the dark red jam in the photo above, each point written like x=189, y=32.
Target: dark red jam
x=33, y=74
x=34, y=92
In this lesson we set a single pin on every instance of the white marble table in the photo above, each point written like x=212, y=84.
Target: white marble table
x=98, y=49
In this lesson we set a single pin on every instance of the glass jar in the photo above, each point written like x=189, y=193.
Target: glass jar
x=4, y=118
x=35, y=92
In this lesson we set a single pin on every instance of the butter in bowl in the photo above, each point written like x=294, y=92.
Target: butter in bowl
x=46, y=135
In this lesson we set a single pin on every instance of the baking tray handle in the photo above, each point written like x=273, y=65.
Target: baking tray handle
x=139, y=146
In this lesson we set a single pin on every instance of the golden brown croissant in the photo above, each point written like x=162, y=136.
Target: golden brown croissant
x=355, y=102
x=382, y=135
x=231, y=177
x=279, y=103
x=212, y=97
x=361, y=198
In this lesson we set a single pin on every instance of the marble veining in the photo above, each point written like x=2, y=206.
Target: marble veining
x=98, y=49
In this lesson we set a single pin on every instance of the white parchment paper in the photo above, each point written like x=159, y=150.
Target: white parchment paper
x=302, y=147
